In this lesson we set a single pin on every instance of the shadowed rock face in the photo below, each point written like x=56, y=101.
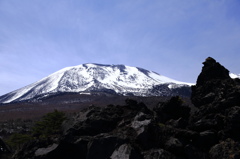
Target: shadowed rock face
x=218, y=98
x=212, y=70
x=215, y=86
x=168, y=131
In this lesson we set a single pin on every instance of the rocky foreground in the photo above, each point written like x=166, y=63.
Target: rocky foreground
x=169, y=131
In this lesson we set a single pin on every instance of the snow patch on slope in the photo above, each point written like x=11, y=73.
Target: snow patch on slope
x=232, y=75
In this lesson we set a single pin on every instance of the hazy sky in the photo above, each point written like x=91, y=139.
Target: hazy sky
x=170, y=37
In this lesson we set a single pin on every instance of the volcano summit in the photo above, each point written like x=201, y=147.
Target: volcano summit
x=87, y=78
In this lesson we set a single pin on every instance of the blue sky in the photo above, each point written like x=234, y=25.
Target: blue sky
x=170, y=37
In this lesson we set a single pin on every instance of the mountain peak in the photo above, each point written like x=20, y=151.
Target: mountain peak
x=121, y=79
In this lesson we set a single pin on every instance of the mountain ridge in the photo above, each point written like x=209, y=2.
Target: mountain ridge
x=89, y=77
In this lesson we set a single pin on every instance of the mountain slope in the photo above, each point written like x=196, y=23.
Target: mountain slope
x=120, y=79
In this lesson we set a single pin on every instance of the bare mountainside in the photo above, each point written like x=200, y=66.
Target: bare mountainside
x=71, y=102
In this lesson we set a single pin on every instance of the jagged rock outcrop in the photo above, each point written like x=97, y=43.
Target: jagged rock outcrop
x=212, y=70
x=218, y=118
x=217, y=96
x=215, y=87
x=131, y=131
x=169, y=131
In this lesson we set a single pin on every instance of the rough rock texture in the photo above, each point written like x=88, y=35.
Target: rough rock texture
x=117, y=132
x=173, y=111
x=228, y=149
x=5, y=151
x=218, y=119
x=158, y=154
x=169, y=131
x=215, y=86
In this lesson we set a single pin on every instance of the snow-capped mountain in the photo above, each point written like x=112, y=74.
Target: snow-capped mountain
x=120, y=79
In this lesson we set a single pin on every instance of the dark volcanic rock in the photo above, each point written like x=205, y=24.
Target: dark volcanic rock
x=214, y=92
x=125, y=151
x=168, y=131
x=158, y=154
x=60, y=151
x=207, y=139
x=215, y=86
x=103, y=146
x=175, y=146
x=93, y=120
x=4, y=149
x=193, y=152
x=218, y=118
x=212, y=70
x=233, y=122
x=228, y=149
x=172, y=109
